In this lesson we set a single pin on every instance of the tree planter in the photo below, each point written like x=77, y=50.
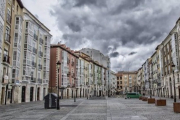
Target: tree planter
x=176, y=107
x=144, y=99
x=161, y=102
x=140, y=98
x=151, y=100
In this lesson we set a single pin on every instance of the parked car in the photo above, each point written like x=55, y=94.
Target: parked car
x=132, y=95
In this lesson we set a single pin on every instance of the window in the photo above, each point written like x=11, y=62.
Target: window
x=39, y=61
x=40, y=47
x=14, y=55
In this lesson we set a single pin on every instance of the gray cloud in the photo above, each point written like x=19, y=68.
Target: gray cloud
x=116, y=25
x=132, y=53
x=114, y=54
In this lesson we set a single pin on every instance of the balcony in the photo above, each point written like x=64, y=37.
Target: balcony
x=33, y=79
x=40, y=67
x=26, y=62
x=73, y=75
x=40, y=54
x=8, y=18
x=29, y=31
x=7, y=38
x=33, y=64
x=68, y=74
x=68, y=61
x=6, y=59
x=72, y=64
x=5, y=79
x=35, y=37
x=39, y=80
x=40, y=41
x=34, y=50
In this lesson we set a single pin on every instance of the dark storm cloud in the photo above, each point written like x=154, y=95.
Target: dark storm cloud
x=90, y=2
x=132, y=53
x=127, y=5
x=114, y=54
x=116, y=25
x=74, y=27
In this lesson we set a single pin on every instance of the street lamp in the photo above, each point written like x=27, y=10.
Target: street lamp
x=173, y=67
x=150, y=87
x=58, y=66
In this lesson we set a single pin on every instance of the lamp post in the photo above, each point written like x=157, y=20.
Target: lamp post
x=150, y=87
x=173, y=66
x=58, y=66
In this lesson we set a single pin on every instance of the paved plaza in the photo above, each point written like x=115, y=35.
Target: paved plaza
x=83, y=109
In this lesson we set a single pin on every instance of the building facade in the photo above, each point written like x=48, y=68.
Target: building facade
x=25, y=56
x=128, y=79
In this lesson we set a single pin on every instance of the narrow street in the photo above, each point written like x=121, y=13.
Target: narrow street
x=83, y=109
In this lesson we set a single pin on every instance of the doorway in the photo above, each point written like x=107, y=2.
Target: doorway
x=44, y=92
x=23, y=94
x=179, y=93
x=2, y=95
x=31, y=93
x=67, y=93
x=72, y=94
x=99, y=92
x=38, y=90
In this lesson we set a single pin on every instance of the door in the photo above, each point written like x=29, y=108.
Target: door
x=12, y=90
x=99, y=92
x=179, y=93
x=2, y=95
x=38, y=90
x=44, y=92
x=72, y=94
x=31, y=93
x=67, y=93
x=23, y=94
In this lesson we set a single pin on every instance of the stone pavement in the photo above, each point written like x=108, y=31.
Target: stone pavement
x=83, y=109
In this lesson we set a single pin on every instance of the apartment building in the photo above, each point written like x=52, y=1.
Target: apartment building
x=2, y=20
x=113, y=83
x=67, y=70
x=24, y=35
x=120, y=83
x=128, y=80
x=97, y=56
x=139, y=82
x=163, y=75
x=145, y=76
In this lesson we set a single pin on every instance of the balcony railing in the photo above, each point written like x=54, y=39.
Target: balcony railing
x=41, y=41
x=7, y=38
x=6, y=59
x=40, y=53
x=9, y=18
x=34, y=50
x=39, y=80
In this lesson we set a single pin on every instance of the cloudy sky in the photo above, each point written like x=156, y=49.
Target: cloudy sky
x=126, y=30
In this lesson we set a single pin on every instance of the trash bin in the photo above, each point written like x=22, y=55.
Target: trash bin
x=50, y=100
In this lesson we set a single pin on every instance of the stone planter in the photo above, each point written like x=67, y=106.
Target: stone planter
x=144, y=99
x=160, y=102
x=151, y=100
x=176, y=107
